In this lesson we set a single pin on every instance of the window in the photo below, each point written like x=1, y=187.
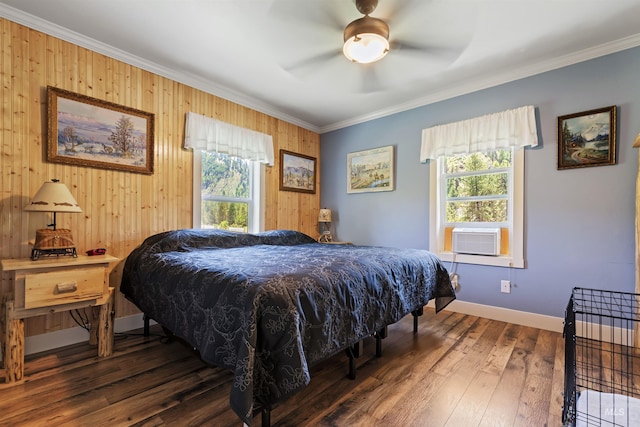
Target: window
x=479, y=190
x=477, y=180
x=227, y=192
x=476, y=188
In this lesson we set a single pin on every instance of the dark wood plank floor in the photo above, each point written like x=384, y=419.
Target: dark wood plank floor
x=458, y=370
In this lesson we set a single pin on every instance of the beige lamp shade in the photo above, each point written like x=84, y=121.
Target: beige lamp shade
x=53, y=196
x=324, y=215
x=636, y=143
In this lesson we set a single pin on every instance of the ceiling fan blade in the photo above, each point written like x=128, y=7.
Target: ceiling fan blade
x=313, y=13
x=399, y=9
x=444, y=53
x=309, y=63
x=370, y=78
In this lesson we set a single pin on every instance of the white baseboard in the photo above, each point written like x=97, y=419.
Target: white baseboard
x=49, y=341
x=523, y=318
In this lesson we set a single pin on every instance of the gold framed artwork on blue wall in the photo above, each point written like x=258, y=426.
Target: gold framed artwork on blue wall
x=587, y=138
x=371, y=170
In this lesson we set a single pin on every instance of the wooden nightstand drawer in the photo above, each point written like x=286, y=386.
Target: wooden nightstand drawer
x=64, y=286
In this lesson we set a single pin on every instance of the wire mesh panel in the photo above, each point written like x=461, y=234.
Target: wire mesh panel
x=602, y=363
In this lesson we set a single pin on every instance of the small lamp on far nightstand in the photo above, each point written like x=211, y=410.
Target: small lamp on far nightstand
x=53, y=197
x=324, y=220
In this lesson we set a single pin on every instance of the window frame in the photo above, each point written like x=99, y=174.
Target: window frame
x=256, y=199
x=437, y=212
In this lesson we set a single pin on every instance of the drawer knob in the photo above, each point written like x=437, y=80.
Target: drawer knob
x=62, y=288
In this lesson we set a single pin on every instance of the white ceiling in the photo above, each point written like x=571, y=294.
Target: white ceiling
x=283, y=57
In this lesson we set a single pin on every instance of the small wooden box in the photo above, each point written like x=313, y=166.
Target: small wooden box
x=53, y=239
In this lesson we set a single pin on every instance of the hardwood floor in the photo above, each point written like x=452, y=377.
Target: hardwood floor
x=458, y=370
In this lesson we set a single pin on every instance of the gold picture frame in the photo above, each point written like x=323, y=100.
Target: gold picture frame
x=371, y=170
x=297, y=172
x=91, y=132
x=587, y=138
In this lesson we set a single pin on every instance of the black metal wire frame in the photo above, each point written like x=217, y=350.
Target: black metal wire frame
x=569, y=333
x=600, y=353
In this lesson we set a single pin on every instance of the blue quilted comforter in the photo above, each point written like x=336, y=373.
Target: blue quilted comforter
x=269, y=305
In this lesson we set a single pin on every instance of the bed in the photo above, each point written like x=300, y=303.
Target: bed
x=270, y=305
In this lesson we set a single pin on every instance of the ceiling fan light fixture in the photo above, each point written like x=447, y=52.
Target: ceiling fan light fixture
x=366, y=40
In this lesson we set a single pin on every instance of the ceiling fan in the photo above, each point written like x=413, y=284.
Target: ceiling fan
x=366, y=41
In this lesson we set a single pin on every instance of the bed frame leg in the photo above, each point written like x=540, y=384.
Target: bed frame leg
x=356, y=350
x=416, y=314
x=352, y=363
x=378, y=345
x=380, y=335
x=145, y=319
x=266, y=417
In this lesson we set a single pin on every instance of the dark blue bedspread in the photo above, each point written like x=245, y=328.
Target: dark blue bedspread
x=269, y=305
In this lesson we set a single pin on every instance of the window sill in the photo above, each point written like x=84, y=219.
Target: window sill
x=494, y=261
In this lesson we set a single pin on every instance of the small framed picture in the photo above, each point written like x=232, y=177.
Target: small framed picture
x=370, y=170
x=587, y=138
x=297, y=172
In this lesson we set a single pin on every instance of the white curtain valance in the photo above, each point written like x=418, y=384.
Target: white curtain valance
x=208, y=134
x=510, y=128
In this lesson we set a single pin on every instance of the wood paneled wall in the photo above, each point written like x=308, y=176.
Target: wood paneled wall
x=120, y=208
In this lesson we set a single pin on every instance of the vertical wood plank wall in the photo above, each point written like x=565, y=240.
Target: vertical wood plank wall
x=120, y=208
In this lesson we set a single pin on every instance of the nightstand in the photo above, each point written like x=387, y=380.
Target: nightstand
x=51, y=285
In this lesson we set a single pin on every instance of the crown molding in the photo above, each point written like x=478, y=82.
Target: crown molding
x=469, y=86
x=485, y=82
x=188, y=79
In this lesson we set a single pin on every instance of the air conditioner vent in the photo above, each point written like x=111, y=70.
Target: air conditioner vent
x=477, y=241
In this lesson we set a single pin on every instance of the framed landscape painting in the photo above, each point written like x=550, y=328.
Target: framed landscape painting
x=297, y=172
x=91, y=132
x=587, y=138
x=370, y=170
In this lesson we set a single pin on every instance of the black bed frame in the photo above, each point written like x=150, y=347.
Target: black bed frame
x=352, y=352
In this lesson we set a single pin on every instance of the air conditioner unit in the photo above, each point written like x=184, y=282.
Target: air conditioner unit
x=477, y=241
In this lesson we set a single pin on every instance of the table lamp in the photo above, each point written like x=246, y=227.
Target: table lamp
x=54, y=197
x=324, y=220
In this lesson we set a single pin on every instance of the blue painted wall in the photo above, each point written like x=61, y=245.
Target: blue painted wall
x=579, y=223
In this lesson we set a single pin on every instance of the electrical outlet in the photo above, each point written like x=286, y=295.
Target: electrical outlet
x=454, y=280
x=505, y=286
